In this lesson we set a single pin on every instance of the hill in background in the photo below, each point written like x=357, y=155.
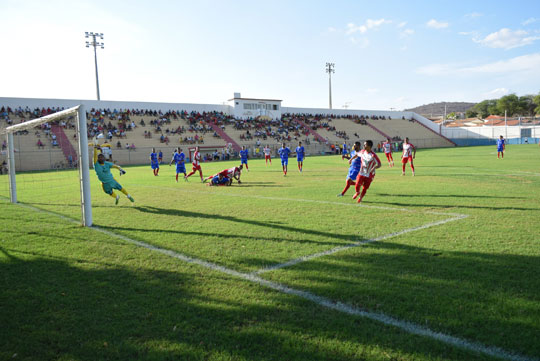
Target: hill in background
x=437, y=109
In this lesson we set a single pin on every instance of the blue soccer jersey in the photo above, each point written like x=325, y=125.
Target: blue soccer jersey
x=300, y=153
x=154, y=160
x=244, y=155
x=354, y=169
x=284, y=155
x=179, y=159
x=500, y=145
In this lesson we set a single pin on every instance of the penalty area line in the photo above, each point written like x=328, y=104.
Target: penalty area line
x=406, y=326
x=356, y=244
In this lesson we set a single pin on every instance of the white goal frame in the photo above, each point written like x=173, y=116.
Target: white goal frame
x=84, y=169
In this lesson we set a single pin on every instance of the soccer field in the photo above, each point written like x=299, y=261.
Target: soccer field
x=441, y=266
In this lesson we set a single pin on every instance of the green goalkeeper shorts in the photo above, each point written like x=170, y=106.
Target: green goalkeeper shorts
x=109, y=186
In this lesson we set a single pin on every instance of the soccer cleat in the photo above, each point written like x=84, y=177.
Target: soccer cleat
x=355, y=195
x=176, y=180
x=340, y=195
x=359, y=200
x=131, y=198
x=413, y=174
x=403, y=173
x=117, y=199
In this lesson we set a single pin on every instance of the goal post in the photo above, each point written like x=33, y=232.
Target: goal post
x=79, y=113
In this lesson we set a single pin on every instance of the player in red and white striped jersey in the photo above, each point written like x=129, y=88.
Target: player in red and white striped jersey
x=230, y=173
x=387, y=146
x=370, y=162
x=267, y=152
x=196, y=162
x=409, y=153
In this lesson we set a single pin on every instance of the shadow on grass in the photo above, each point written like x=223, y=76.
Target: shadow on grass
x=189, y=214
x=491, y=298
x=59, y=310
x=444, y=206
x=446, y=196
x=186, y=234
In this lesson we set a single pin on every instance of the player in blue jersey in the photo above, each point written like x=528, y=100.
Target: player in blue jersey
x=344, y=151
x=103, y=171
x=179, y=158
x=220, y=180
x=500, y=147
x=355, y=164
x=154, y=163
x=284, y=152
x=300, y=154
x=244, y=156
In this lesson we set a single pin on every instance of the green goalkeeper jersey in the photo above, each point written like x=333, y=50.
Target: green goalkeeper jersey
x=103, y=172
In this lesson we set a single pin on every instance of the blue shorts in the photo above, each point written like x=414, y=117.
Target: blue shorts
x=500, y=150
x=181, y=168
x=154, y=165
x=243, y=161
x=109, y=186
x=284, y=161
x=353, y=173
x=300, y=159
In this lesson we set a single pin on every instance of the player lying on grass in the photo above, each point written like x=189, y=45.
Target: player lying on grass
x=354, y=168
x=220, y=180
x=103, y=171
x=370, y=162
x=231, y=173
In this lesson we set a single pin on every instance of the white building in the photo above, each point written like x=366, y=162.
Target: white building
x=243, y=108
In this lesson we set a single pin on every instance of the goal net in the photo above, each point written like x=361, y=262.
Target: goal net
x=45, y=161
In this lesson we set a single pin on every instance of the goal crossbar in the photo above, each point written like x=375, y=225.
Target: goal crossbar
x=45, y=119
x=84, y=167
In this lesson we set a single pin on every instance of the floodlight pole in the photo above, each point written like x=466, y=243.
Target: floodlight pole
x=330, y=69
x=95, y=44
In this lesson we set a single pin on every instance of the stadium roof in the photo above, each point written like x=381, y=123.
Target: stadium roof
x=264, y=100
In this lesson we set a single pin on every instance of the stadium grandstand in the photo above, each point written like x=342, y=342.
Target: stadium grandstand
x=133, y=128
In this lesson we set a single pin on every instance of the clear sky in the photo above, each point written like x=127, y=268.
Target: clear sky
x=387, y=54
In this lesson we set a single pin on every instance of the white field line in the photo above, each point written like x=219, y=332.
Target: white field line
x=321, y=301
x=301, y=200
x=356, y=244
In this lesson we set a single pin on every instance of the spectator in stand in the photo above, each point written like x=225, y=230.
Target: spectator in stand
x=40, y=144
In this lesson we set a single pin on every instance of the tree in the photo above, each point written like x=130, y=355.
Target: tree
x=485, y=108
x=536, y=100
x=471, y=113
x=526, y=104
x=510, y=104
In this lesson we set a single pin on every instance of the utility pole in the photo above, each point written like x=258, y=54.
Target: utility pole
x=330, y=69
x=95, y=44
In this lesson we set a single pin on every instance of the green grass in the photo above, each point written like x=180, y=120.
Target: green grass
x=74, y=293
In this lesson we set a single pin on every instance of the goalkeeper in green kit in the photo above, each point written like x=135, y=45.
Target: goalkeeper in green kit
x=103, y=171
